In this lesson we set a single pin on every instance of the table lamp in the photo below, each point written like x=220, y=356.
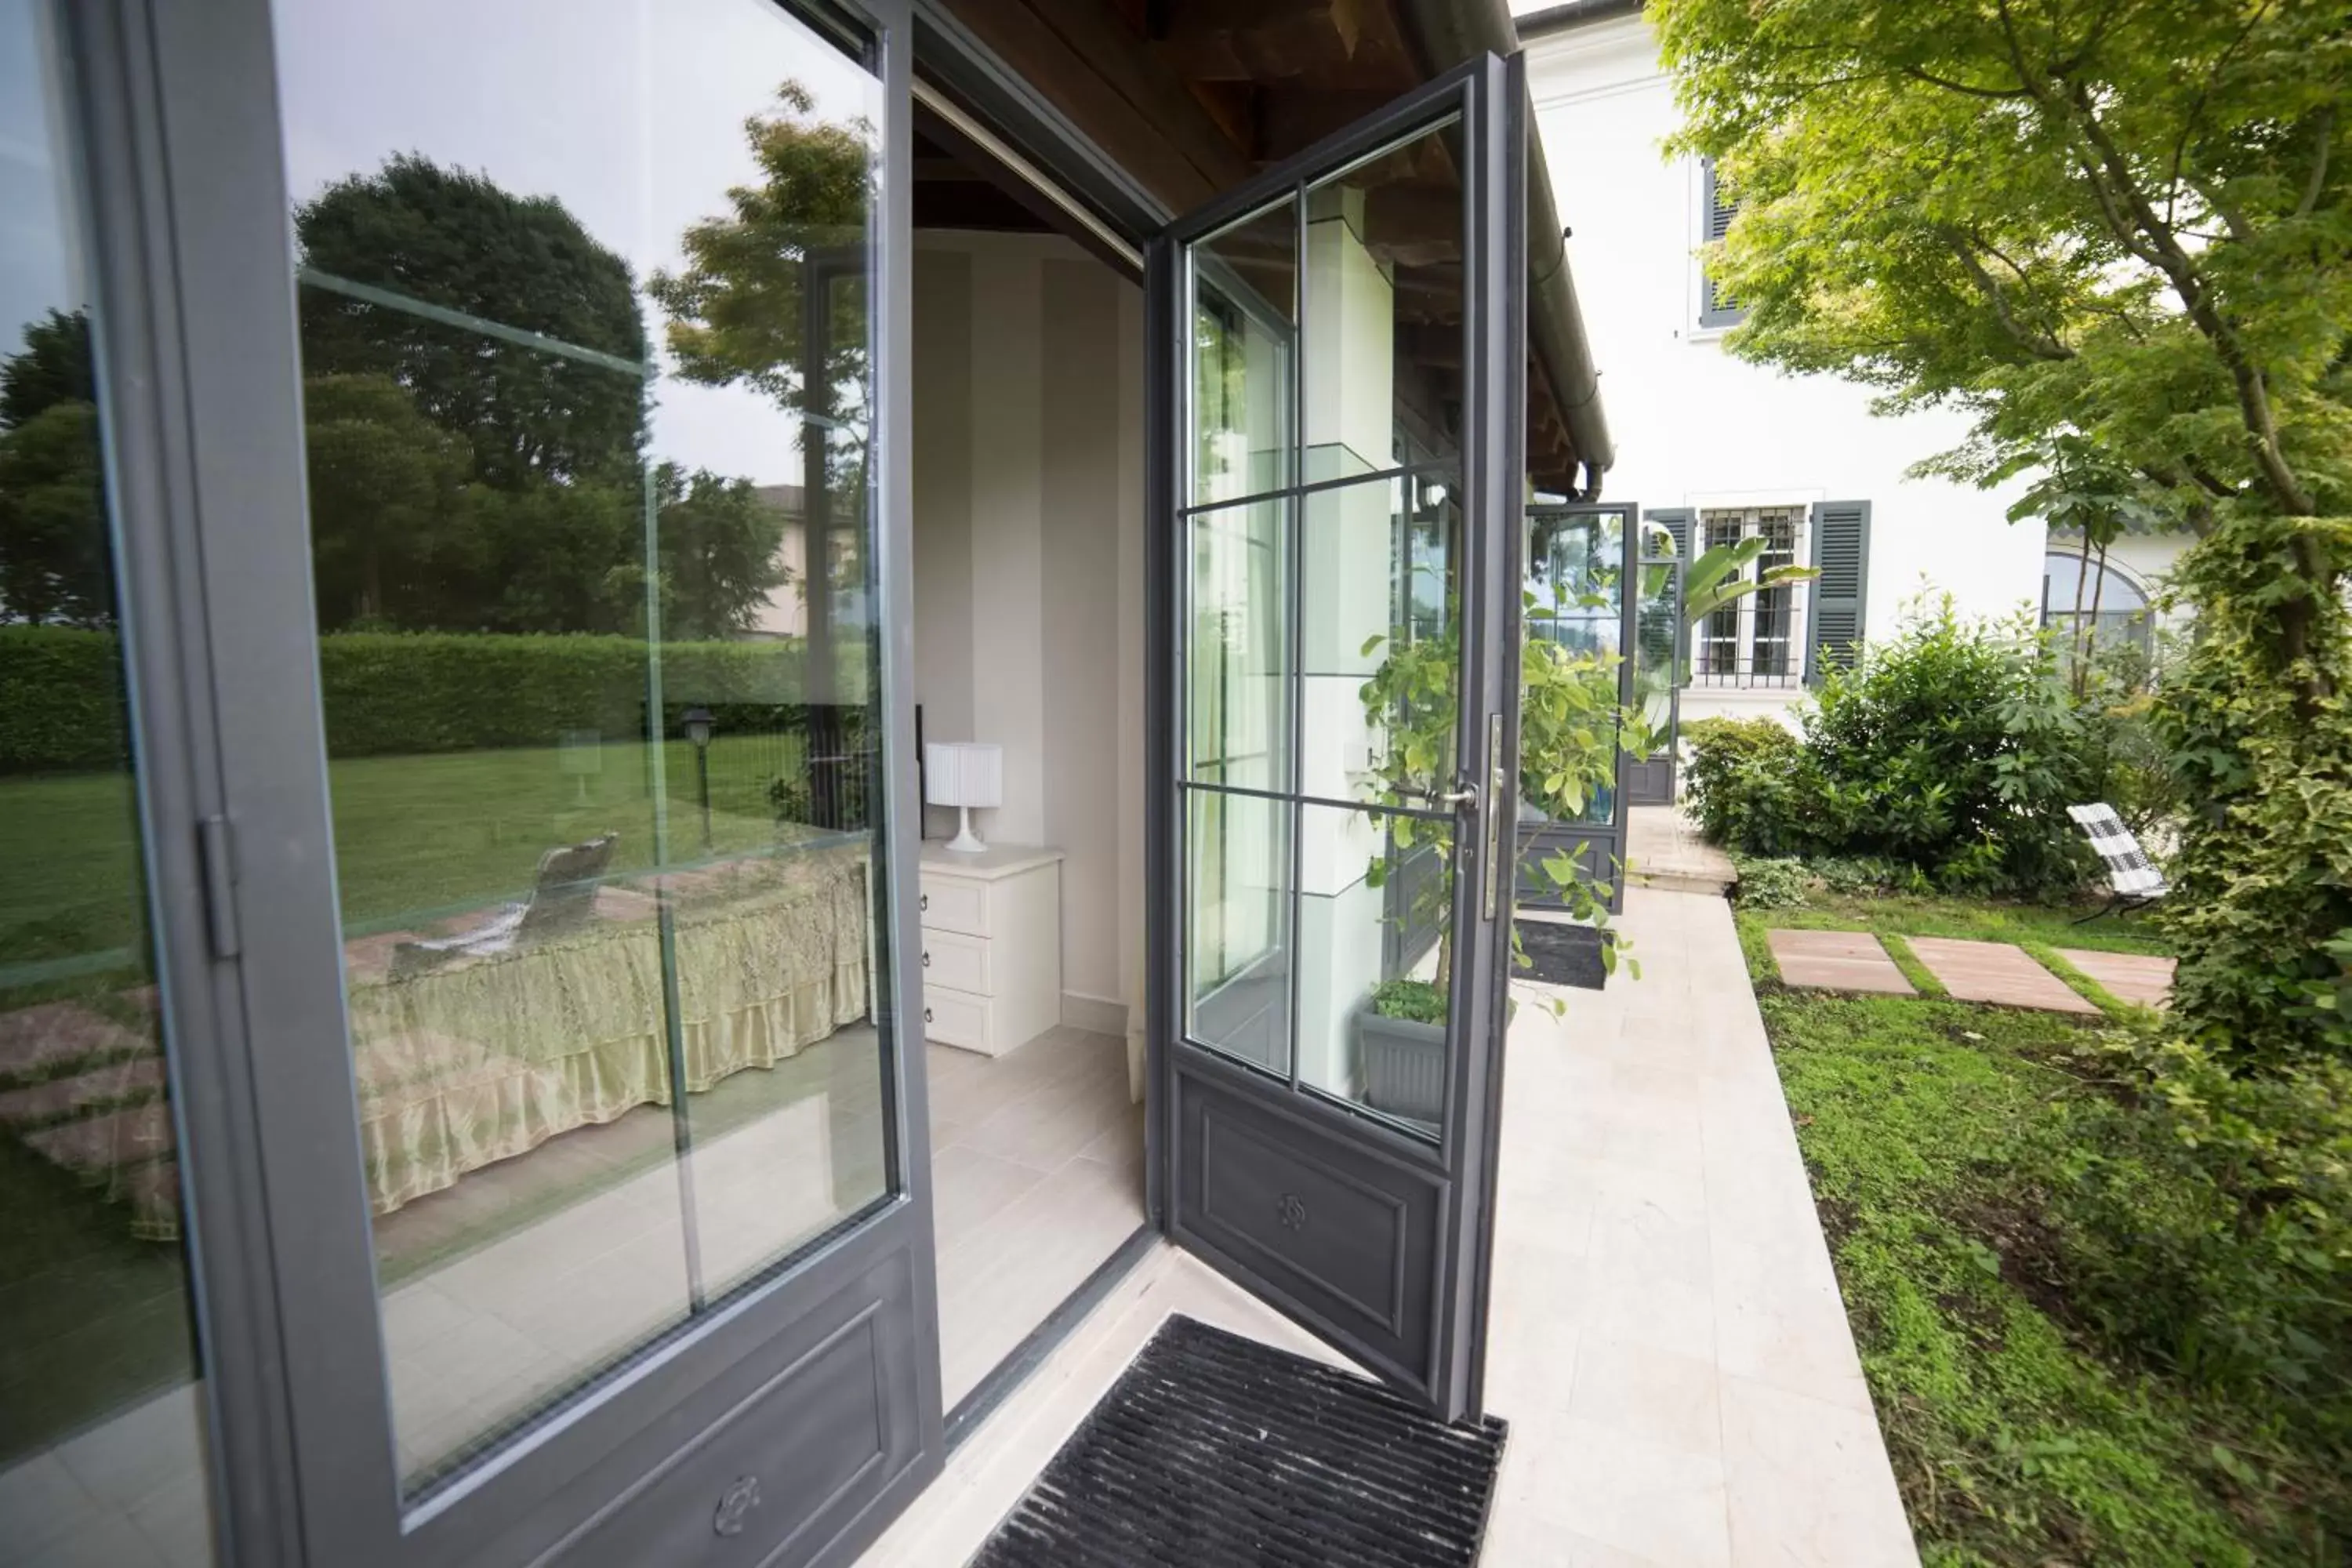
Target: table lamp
x=963, y=775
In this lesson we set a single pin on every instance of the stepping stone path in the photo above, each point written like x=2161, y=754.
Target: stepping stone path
x=2131, y=976
x=1995, y=971
x=1837, y=961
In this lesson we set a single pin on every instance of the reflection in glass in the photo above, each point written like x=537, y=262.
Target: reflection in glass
x=587, y=389
x=1237, y=934
x=1237, y=654
x=1384, y=332
x=1375, y=959
x=1575, y=601
x=1381, y=650
x=1244, y=318
x=99, y=1357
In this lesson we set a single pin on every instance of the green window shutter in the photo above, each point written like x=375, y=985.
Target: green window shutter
x=1716, y=307
x=1678, y=522
x=1840, y=594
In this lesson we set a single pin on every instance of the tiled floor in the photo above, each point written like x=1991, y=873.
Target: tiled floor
x=1037, y=1162
x=1664, y=850
x=1666, y=1341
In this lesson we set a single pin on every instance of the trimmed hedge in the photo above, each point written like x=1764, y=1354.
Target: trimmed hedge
x=393, y=693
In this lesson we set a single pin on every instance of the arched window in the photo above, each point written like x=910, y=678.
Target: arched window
x=2077, y=597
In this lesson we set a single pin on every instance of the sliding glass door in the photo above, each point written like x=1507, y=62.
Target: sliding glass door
x=527, y=398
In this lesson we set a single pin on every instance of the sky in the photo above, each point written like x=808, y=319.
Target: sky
x=629, y=111
x=39, y=267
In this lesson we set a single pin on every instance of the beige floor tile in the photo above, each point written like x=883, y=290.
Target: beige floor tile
x=110, y=1540
x=1619, y=1490
x=1809, y=1483
x=1780, y=1320
x=42, y=1503
x=1656, y=1395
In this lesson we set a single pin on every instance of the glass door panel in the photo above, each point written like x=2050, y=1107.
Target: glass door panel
x=586, y=361
x=1339, y=768
x=102, y=1391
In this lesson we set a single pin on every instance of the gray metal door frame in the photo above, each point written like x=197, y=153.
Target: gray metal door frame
x=1422, y=1230
x=1597, y=846
x=198, y=357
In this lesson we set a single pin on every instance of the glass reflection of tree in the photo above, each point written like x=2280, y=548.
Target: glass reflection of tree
x=773, y=296
x=463, y=483
x=54, y=563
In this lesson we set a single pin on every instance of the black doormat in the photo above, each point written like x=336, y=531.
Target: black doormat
x=1214, y=1451
x=1562, y=954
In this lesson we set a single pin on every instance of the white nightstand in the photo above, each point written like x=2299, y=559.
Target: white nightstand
x=991, y=959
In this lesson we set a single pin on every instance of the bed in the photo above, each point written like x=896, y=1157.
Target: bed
x=486, y=1055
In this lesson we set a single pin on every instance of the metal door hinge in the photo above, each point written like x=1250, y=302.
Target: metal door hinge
x=216, y=852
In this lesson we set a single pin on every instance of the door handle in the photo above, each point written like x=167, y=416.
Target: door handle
x=1465, y=798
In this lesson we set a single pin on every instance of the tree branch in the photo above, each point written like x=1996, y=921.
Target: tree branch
x=2312, y=187
x=2180, y=269
x=2040, y=344
x=1932, y=79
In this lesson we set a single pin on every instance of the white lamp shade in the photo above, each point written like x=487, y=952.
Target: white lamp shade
x=963, y=774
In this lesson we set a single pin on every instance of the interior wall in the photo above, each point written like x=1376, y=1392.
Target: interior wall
x=1028, y=527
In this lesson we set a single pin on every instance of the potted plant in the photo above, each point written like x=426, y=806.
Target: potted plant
x=1571, y=727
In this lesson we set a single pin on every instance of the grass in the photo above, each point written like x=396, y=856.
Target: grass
x=415, y=837
x=1974, y=920
x=1937, y=1134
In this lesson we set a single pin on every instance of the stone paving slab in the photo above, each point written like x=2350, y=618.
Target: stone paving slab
x=1997, y=972
x=1837, y=961
x=2139, y=977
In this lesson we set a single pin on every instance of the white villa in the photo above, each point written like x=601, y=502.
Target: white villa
x=1713, y=446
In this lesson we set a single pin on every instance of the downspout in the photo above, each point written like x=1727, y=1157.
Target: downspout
x=1449, y=32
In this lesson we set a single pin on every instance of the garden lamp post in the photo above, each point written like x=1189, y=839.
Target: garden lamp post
x=697, y=731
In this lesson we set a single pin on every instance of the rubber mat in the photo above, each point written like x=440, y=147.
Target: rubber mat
x=1561, y=954
x=1214, y=1451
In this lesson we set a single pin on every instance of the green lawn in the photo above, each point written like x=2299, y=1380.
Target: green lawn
x=415, y=837
x=1939, y=1136
x=1977, y=920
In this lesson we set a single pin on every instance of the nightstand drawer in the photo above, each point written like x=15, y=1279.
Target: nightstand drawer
x=957, y=961
x=952, y=903
x=954, y=1019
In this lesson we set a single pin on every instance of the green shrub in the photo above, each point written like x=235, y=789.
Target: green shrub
x=2261, y=910
x=1771, y=884
x=388, y=693
x=61, y=700
x=1950, y=755
x=1743, y=778
x=2211, y=1225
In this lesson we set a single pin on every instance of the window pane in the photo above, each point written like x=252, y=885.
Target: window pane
x=1381, y=647
x=1576, y=571
x=1383, y=331
x=1237, y=930
x=101, y=1410
x=1245, y=316
x=1375, y=954
x=587, y=368
x=1237, y=649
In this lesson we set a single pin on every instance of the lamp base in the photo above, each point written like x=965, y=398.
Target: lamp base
x=966, y=842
